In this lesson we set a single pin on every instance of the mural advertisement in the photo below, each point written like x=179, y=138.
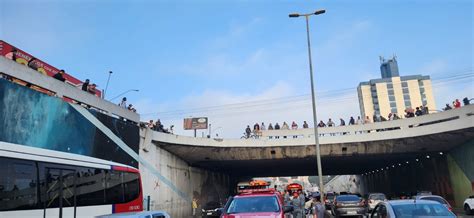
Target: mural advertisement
x=31, y=118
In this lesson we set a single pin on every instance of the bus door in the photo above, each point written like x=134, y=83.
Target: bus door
x=59, y=197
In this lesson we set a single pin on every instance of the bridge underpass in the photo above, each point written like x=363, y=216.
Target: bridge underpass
x=345, y=151
x=337, y=159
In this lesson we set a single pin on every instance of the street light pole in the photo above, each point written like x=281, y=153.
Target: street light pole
x=131, y=90
x=107, y=85
x=313, y=98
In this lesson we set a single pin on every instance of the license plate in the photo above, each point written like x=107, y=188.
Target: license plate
x=351, y=212
x=209, y=213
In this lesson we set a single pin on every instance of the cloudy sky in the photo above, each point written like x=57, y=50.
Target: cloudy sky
x=241, y=62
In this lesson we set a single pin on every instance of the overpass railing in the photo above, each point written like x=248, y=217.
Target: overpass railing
x=393, y=125
x=447, y=121
x=64, y=90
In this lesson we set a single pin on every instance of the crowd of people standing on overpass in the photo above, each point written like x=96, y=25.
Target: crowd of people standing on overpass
x=419, y=111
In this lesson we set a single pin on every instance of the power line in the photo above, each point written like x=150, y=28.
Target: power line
x=288, y=99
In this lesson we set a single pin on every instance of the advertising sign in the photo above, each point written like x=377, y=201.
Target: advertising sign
x=195, y=123
x=21, y=57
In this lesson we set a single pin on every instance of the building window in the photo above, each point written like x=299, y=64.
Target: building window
x=405, y=91
x=406, y=97
x=393, y=104
x=390, y=92
x=389, y=86
x=391, y=98
x=394, y=110
x=407, y=104
x=404, y=84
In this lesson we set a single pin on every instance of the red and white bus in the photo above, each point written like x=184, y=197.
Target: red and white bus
x=36, y=182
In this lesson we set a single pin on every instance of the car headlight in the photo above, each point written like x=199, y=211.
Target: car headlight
x=203, y=210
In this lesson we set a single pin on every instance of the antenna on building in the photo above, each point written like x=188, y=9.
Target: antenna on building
x=394, y=56
x=381, y=59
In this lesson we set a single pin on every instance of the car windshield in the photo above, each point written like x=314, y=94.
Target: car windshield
x=347, y=198
x=330, y=196
x=212, y=205
x=437, y=199
x=380, y=197
x=254, y=205
x=421, y=210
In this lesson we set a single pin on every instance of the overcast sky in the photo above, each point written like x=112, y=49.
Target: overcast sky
x=241, y=62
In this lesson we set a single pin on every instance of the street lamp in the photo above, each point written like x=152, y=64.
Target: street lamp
x=313, y=98
x=131, y=90
x=107, y=85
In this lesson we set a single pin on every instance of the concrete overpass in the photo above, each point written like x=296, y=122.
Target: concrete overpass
x=345, y=150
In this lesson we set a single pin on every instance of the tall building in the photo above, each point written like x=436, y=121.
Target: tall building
x=393, y=93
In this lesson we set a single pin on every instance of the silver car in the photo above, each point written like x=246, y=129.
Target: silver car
x=411, y=208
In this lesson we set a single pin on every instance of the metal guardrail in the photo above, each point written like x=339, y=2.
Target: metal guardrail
x=64, y=90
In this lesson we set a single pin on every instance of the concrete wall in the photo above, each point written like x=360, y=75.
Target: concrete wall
x=461, y=170
x=193, y=182
x=426, y=174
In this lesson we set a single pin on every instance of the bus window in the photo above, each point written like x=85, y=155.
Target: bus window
x=17, y=184
x=90, y=187
x=131, y=185
x=114, y=189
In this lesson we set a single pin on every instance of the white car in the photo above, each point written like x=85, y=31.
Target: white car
x=469, y=205
x=374, y=198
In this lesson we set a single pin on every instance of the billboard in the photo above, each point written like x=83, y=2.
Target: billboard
x=195, y=123
x=50, y=123
x=26, y=59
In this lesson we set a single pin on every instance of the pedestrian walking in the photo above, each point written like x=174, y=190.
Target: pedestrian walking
x=296, y=203
x=317, y=209
x=270, y=127
x=194, y=206
x=262, y=127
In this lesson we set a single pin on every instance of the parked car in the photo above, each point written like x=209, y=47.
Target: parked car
x=349, y=205
x=436, y=198
x=256, y=203
x=374, y=198
x=142, y=214
x=410, y=208
x=329, y=200
x=469, y=205
x=211, y=209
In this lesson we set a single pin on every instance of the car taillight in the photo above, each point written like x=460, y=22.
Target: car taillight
x=326, y=201
x=450, y=208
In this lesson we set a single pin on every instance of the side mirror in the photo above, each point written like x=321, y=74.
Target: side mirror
x=220, y=210
x=287, y=209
